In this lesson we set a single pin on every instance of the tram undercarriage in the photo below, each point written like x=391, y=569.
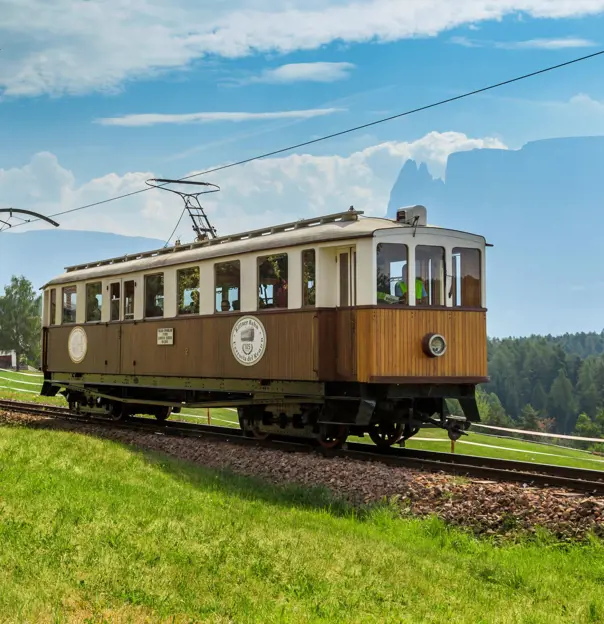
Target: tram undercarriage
x=328, y=413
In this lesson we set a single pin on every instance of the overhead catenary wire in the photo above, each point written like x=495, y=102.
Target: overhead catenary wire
x=182, y=214
x=341, y=132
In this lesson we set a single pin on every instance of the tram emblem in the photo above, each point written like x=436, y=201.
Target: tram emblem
x=248, y=340
x=77, y=344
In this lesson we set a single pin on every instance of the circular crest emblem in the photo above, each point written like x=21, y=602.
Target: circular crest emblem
x=248, y=340
x=77, y=344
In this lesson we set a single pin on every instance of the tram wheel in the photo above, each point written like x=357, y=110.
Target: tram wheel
x=118, y=411
x=386, y=434
x=332, y=437
x=164, y=414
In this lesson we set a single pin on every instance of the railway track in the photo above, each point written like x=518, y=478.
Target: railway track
x=531, y=474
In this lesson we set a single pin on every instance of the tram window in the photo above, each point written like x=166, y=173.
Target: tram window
x=227, y=276
x=94, y=302
x=430, y=269
x=129, y=300
x=466, y=288
x=309, y=285
x=154, y=295
x=272, y=281
x=53, y=306
x=188, y=290
x=114, y=297
x=69, y=304
x=392, y=280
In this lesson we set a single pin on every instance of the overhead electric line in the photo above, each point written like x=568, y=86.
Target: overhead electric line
x=342, y=132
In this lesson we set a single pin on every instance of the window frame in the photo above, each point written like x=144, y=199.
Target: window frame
x=73, y=289
x=236, y=261
x=163, y=295
x=119, y=302
x=304, y=285
x=408, y=250
x=443, y=292
x=259, y=262
x=52, y=307
x=128, y=316
x=197, y=289
x=86, y=300
x=459, y=278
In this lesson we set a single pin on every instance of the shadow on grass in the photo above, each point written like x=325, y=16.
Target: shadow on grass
x=288, y=495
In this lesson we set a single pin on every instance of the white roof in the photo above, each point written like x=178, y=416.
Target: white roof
x=340, y=226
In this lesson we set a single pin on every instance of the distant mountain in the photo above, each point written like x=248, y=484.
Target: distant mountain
x=543, y=208
x=41, y=255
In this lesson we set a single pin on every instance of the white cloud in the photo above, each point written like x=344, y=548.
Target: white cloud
x=75, y=46
x=151, y=119
x=586, y=103
x=548, y=44
x=305, y=72
x=530, y=44
x=254, y=195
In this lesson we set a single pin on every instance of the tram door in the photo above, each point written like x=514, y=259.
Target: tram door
x=347, y=276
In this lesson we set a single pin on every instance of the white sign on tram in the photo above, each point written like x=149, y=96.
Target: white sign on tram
x=165, y=336
x=248, y=340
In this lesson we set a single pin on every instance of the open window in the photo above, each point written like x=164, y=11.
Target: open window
x=227, y=278
x=392, y=278
x=129, y=300
x=272, y=281
x=70, y=300
x=188, y=290
x=430, y=269
x=154, y=295
x=309, y=284
x=466, y=286
x=94, y=302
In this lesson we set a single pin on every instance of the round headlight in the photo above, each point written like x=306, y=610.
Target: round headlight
x=434, y=345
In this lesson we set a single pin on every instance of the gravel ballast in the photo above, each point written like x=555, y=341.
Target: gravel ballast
x=484, y=507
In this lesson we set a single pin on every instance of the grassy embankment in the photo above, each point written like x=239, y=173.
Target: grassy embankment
x=93, y=531
x=26, y=387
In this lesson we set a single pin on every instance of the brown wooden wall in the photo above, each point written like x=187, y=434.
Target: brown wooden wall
x=364, y=344
x=391, y=344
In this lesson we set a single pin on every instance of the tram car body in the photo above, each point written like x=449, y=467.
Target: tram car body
x=327, y=327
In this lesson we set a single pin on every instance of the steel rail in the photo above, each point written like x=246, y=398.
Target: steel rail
x=579, y=479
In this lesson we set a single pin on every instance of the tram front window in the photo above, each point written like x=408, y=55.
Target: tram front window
x=430, y=269
x=392, y=276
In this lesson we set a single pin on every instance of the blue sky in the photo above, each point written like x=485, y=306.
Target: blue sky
x=317, y=67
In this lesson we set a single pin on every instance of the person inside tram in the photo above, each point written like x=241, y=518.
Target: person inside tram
x=400, y=288
x=94, y=311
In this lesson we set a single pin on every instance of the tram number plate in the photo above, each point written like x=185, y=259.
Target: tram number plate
x=165, y=336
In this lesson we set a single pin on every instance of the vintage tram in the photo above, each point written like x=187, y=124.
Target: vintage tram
x=325, y=327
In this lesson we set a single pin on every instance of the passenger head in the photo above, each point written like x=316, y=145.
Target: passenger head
x=225, y=305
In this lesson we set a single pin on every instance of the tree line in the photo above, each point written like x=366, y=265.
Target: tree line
x=547, y=383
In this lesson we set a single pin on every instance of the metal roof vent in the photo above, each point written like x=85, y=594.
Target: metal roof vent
x=412, y=215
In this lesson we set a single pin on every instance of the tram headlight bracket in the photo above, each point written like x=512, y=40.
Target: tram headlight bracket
x=434, y=345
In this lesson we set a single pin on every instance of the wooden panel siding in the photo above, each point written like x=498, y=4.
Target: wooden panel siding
x=102, y=356
x=364, y=344
x=300, y=345
x=397, y=343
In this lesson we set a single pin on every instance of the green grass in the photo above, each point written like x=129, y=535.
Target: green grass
x=23, y=387
x=92, y=531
